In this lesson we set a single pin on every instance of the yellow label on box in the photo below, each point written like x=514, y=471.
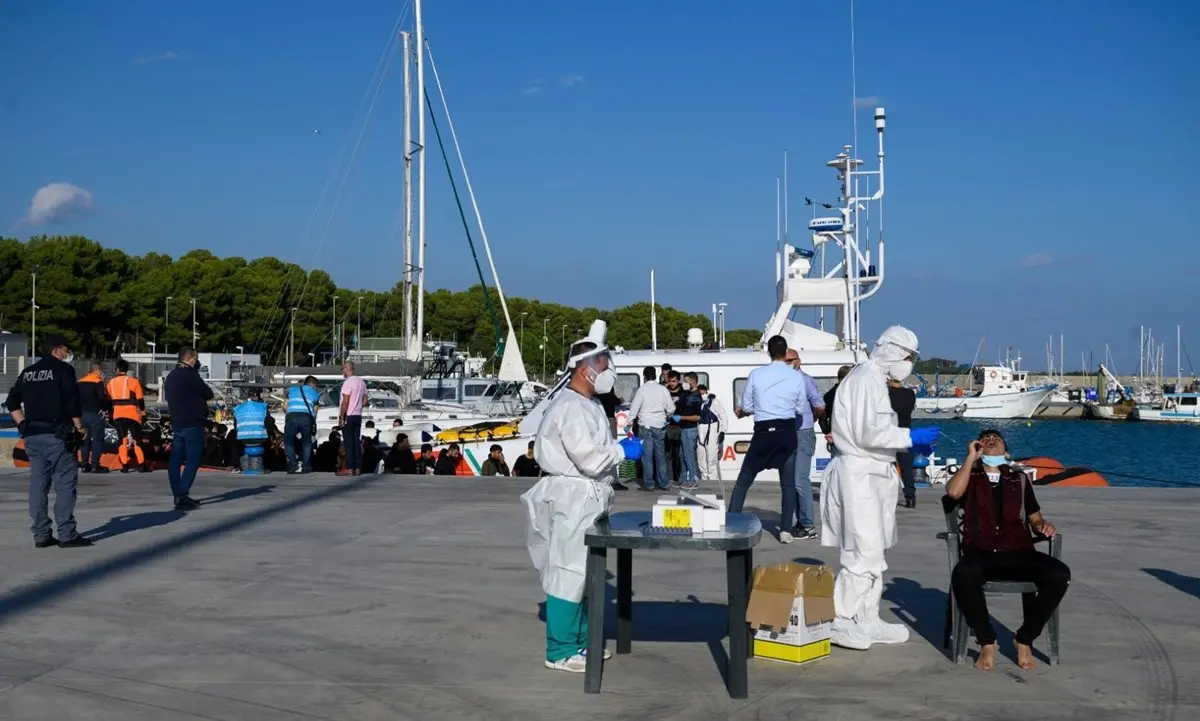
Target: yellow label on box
x=677, y=518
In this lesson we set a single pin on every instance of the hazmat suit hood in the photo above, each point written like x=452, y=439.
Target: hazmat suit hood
x=895, y=352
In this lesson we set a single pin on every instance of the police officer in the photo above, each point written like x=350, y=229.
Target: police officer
x=45, y=404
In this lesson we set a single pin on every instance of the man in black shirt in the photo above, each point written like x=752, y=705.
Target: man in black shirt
x=44, y=403
x=400, y=458
x=526, y=466
x=447, y=462
x=427, y=462
x=688, y=407
x=672, y=434
x=826, y=419
x=904, y=401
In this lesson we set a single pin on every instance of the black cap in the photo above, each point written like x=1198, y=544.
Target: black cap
x=55, y=341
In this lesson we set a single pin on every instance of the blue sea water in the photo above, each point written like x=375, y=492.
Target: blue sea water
x=1125, y=453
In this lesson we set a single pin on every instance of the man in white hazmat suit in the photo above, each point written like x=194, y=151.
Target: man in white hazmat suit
x=861, y=489
x=577, y=452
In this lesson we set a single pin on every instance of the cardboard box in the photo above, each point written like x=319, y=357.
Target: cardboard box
x=791, y=612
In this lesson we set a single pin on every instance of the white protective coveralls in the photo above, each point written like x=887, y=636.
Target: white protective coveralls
x=861, y=487
x=576, y=449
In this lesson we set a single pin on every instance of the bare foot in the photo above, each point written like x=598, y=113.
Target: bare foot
x=1025, y=656
x=987, y=657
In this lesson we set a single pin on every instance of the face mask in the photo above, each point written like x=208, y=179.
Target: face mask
x=994, y=461
x=687, y=386
x=604, y=381
x=900, y=370
x=70, y=357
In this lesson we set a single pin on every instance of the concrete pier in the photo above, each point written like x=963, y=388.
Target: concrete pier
x=317, y=597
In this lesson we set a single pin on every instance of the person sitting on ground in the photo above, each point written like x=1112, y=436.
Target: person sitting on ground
x=326, y=457
x=427, y=461
x=495, y=464
x=400, y=457
x=999, y=510
x=372, y=454
x=447, y=462
x=526, y=466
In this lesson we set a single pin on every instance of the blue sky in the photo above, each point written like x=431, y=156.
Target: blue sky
x=1041, y=155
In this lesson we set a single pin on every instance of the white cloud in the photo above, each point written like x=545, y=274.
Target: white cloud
x=56, y=202
x=571, y=80
x=169, y=55
x=531, y=89
x=870, y=101
x=1037, y=260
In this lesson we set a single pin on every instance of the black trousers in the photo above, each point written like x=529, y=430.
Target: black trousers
x=772, y=446
x=1050, y=575
x=905, y=459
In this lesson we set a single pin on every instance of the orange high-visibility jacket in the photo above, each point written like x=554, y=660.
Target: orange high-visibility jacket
x=127, y=399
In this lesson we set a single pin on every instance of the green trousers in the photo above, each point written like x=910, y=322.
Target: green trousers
x=566, y=628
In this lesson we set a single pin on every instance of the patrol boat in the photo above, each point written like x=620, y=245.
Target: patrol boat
x=835, y=292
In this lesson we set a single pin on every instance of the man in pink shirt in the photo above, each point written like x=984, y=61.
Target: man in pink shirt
x=354, y=390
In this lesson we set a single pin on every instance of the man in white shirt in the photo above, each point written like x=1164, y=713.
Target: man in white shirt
x=652, y=405
x=714, y=421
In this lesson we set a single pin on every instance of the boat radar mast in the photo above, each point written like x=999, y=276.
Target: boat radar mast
x=855, y=278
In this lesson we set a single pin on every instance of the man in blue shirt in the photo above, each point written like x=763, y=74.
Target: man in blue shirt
x=806, y=447
x=775, y=395
x=300, y=422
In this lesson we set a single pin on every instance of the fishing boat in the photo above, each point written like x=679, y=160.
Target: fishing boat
x=1004, y=393
x=1176, y=408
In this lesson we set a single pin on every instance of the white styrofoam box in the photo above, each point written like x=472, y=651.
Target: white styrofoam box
x=665, y=505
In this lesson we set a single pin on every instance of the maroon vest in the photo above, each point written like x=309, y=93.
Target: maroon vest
x=982, y=530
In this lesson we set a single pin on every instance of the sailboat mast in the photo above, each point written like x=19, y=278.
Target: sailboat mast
x=408, y=223
x=419, y=334
x=1178, y=360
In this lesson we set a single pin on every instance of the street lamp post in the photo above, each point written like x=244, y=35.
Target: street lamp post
x=167, y=323
x=358, y=330
x=33, y=311
x=564, y=341
x=195, y=334
x=292, y=340
x=334, y=331
x=545, y=340
x=521, y=340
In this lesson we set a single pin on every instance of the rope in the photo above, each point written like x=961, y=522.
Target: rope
x=466, y=227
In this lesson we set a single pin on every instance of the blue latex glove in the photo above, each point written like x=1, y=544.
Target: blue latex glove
x=924, y=436
x=675, y=418
x=632, y=448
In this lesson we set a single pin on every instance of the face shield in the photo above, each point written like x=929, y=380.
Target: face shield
x=591, y=357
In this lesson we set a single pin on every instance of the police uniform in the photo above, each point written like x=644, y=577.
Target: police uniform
x=48, y=397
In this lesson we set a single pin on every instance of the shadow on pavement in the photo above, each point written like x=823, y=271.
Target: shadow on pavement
x=1187, y=584
x=27, y=597
x=133, y=522
x=236, y=494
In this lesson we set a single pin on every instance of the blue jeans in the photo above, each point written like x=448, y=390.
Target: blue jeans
x=806, y=446
x=654, y=457
x=688, y=438
x=187, y=447
x=298, y=424
x=93, y=445
x=352, y=438
x=50, y=463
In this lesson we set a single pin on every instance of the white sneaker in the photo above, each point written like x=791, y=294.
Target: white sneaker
x=883, y=632
x=607, y=653
x=785, y=537
x=574, y=664
x=848, y=634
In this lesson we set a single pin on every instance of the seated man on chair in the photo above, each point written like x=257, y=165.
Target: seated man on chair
x=999, y=510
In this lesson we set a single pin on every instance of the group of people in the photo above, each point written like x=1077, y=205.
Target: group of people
x=682, y=428
x=861, y=490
